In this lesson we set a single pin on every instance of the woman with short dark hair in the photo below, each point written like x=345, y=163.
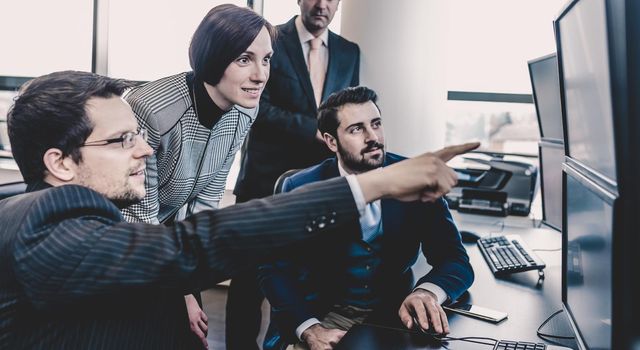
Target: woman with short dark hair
x=196, y=121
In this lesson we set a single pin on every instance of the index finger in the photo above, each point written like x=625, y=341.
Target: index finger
x=449, y=152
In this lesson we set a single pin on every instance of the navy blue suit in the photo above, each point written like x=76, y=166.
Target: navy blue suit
x=302, y=288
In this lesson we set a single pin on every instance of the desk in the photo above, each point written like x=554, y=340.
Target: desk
x=527, y=301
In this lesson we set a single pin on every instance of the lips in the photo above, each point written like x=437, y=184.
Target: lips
x=252, y=91
x=139, y=172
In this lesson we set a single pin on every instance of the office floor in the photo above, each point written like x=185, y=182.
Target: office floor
x=214, y=301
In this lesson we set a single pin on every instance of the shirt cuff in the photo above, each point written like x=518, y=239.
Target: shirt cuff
x=357, y=193
x=303, y=327
x=441, y=295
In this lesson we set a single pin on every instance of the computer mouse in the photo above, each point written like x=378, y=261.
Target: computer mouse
x=427, y=333
x=469, y=237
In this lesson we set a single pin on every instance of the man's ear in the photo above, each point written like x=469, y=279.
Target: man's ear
x=331, y=142
x=59, y=166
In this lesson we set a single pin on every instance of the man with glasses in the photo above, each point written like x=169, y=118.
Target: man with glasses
x=75, y=275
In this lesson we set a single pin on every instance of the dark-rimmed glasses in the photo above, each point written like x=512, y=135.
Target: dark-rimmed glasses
x=128, y=139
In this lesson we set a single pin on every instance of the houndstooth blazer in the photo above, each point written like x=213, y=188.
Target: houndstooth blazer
x=189, y=168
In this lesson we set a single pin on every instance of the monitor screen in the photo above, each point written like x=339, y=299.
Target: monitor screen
x=546, y=95
x=551, y=159
x=588, y=261
x=581, y=34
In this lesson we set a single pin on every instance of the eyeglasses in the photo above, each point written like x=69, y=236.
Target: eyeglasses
x=128, y=139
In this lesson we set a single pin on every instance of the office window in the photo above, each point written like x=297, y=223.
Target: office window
x=501, y=127
x=149, y=39
x=281, y=11
x=42, y=36
x=489, y=44
x=6, y=100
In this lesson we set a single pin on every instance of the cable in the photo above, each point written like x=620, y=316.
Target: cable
x=546, y=337
x=475, y=340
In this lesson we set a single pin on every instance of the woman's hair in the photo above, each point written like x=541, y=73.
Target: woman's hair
x=224, y=33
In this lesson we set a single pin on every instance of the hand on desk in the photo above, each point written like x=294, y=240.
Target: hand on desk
x=320, y=338
x=424, y=305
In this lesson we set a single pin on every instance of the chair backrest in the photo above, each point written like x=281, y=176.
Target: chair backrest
x=277, y=188
x=12, y=189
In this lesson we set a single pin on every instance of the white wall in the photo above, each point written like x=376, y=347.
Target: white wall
x=414, y=51
x=402, y=45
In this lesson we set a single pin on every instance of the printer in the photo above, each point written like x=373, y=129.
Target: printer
x=494, y=186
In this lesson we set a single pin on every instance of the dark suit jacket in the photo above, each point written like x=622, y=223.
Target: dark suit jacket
x=306, y=288
x=283, y=135
x=74, y=275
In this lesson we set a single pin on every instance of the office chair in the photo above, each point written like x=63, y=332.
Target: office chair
x=277, y=188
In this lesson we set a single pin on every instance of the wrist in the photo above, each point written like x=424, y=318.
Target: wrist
x=310, y=332
x=373, y=185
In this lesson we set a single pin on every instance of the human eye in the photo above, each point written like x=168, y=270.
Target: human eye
x=376, y=124
x=267, y=60
x=243, y=60
x=127, y=139
x=355, y=129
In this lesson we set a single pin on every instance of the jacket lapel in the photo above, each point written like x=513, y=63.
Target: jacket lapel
x=332, y=69
x=291, y=43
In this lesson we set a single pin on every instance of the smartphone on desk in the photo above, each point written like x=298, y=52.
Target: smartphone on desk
x=477, y=312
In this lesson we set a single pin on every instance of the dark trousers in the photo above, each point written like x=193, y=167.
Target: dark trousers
x=243, y=311
x=244, y=314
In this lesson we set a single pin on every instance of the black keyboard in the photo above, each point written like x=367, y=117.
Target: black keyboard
x=508, y=254
x=519, y=345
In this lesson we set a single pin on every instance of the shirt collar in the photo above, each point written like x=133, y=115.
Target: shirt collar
x=341, y=169
x=304, y=36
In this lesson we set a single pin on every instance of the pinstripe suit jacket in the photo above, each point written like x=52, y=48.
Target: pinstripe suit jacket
x=74, y=275
x=191, y=162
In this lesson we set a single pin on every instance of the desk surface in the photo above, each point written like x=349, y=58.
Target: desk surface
x=527, y=300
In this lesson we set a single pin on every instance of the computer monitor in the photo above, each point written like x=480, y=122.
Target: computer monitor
x=551, y=158
x=588, y=259
x=599, y=68
x=583, y=63
x=545, y=85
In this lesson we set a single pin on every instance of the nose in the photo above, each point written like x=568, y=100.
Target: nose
x=142, y=148
x=371, y=134
x=260, y=73
x=321, y=4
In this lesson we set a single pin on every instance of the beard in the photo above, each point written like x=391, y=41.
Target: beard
x=126, y=198
x=358, y=162
x=121, y=195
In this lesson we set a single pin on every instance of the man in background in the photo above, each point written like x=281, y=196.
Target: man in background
x=309, y=63
x=316, y=298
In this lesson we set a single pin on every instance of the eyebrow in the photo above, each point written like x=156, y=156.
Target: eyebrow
x=117, y=134
x=254, y=54
x=362, y=124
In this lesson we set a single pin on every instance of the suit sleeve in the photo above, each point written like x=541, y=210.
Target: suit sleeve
x=279, y=284
x=74, y=243
x=444, y=251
